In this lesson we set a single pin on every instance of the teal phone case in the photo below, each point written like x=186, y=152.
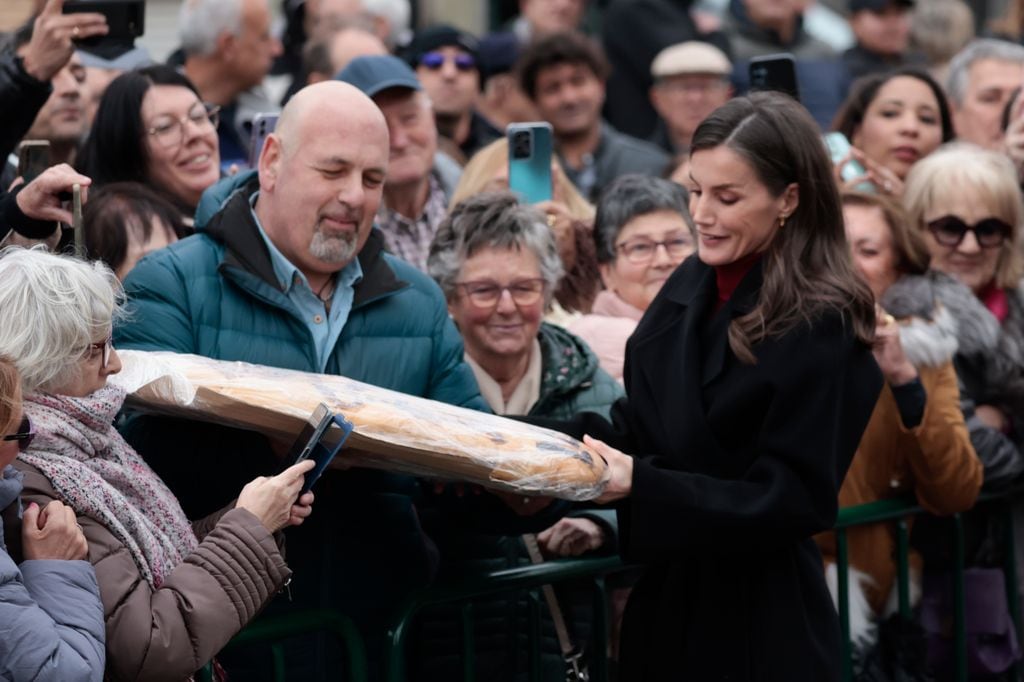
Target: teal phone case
x=530, y=176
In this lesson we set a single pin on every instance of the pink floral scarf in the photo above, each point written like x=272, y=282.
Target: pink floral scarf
x=95, y=471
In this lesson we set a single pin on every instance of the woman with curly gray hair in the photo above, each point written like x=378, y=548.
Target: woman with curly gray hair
x=498, y=265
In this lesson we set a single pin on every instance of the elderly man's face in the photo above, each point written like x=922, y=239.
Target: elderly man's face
x=255, y=46
x=685, y=100
x=989, y=85
x=413, y=135
x=322, y=185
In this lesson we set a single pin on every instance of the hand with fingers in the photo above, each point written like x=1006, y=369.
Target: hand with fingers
x=52, y=533
x=1013, y=139
x=571, y=537
x=884, y=179
x=888, y=351
x=275, y=500
x=42, y=198
x=620, y=471
x=53, y=36
x=560, y=221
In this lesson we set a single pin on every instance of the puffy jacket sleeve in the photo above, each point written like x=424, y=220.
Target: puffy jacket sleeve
x=170, y=632
x=947, y=472
x=451, y=379
x=158, y=316
x=51, y=621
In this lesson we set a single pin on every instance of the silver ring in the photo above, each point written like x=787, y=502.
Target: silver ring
x=887, y=185
x=526, y=501
x=75, y=31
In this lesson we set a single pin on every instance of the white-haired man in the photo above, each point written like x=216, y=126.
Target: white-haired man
x=229, y=49
x=981, y=80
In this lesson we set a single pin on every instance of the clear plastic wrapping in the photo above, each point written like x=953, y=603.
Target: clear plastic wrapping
x=393, y=431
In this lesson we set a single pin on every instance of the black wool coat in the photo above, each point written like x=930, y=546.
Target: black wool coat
x=736, y=467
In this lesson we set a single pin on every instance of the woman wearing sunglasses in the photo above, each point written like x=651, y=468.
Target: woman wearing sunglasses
x=49, y=601
x=967, y=203
x=173, y=592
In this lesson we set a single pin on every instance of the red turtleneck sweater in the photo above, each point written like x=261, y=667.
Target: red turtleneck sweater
x=729, y=276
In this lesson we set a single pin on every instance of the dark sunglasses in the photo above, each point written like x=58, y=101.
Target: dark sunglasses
x=435, y=60
x=949, y=230
x=24, y=435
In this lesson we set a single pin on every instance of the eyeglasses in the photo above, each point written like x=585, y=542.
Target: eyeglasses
x=524, y=292
x=949, y=230
x=103, y=347
x=170, y=131
x=641, y=251
x=435, y=60
x=24, y=435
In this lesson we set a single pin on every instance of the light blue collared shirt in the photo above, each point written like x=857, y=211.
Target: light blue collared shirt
x=325, y=327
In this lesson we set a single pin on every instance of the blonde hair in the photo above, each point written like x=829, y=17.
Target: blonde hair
x=971, y=170
x=479, y=174
x=54, y=308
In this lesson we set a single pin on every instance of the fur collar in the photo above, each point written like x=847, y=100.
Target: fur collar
x=929, y=333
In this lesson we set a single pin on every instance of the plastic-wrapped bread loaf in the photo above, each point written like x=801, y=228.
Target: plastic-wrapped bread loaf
x=393, y=431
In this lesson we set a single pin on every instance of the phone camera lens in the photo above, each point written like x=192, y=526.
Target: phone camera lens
x=521, y=143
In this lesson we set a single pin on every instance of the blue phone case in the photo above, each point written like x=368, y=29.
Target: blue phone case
x=323, y=452
x=529, y=176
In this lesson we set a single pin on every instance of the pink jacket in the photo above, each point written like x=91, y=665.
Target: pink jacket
x=606, y=329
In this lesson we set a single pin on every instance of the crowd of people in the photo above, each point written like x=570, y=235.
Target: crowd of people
x=755, y=309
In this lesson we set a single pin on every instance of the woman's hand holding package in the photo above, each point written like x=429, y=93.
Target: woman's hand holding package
x=52, y=533
x=272, y=499
x=571, y=537
x=889, y=352
x=620, y=468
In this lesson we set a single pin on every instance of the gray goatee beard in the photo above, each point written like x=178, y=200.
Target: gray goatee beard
x=333, y=249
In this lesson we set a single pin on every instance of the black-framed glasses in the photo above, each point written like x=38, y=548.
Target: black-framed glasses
x=641, y=251
x=949, y=230
x=435, y=60
x=23, y=435
x=524, y=292
x=102, y=347
x=169, y=131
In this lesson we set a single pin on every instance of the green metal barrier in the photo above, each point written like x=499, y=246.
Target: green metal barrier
x=899, y=510
x=533, y=577
x=510, y=580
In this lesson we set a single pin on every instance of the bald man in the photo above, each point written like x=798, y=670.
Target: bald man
x=290, y=273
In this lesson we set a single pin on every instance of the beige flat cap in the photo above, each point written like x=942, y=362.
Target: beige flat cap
x=690, y=57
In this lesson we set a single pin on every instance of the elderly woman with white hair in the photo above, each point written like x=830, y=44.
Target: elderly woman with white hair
x=173, y=592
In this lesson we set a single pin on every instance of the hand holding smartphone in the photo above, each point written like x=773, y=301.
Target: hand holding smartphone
x=320, y=440
x=33, y=158
x=839, y=149
x=529, y=161
x=126, y=19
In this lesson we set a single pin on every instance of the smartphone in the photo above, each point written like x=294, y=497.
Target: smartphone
x=529, y=161
x=76, y=220
x=33, y=159
x=126, y=19
x=262, y=125
x=321, y=438
x=774, y=72
x=838, y=148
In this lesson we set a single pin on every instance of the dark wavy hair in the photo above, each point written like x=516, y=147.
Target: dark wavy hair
x=865, y=89
x=115, y=150
x=807, y=267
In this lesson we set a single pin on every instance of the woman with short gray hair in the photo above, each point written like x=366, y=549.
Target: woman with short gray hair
x=643, y=231
x=160, y=577
x=498, y=265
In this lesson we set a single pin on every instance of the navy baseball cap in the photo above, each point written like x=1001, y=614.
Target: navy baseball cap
x=376, y=73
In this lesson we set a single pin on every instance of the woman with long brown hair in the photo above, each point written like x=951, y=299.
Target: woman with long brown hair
x=749, y=381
